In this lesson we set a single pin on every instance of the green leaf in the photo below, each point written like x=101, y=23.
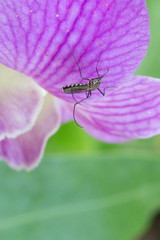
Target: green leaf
x=106, y=196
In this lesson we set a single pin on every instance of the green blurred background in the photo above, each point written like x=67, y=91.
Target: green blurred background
x=85, y=189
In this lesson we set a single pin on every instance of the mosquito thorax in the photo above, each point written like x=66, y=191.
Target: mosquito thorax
x=94, y=83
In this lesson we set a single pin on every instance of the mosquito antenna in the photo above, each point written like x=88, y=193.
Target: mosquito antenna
x=105, y=73
x=97, y=64
x=78, y=65
x=97, y=67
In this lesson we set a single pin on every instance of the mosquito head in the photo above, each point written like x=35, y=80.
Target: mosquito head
x=99, y=79
x=96, y=80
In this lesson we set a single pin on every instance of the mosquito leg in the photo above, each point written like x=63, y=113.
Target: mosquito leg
x=87, y=94
x=74, y=108
x=103, y=93
x=74, y=97
x=77, y=101
x=78, y=65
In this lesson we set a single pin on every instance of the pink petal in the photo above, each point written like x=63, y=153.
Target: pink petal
x=66, y=110
x=20, y=103
x=26, y=150
x=35, y=37
x=129, y=112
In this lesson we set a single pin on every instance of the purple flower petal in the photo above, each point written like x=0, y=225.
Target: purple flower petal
x=20, y=103
x=35, y=37
x=26, y=150
x=66, y=110
x=130, y=112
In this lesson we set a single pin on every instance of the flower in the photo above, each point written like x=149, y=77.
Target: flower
x=35, y=40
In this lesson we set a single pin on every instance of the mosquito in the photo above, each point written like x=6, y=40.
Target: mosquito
x=93, y=84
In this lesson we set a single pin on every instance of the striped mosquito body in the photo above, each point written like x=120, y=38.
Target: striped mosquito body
x=93, y=84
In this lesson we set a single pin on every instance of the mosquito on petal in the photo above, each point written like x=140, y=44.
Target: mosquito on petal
x=93, y=84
